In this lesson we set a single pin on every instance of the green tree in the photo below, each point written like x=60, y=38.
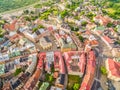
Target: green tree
x=103, y=70
x=83, y=23
x=110, y=24
x=81, y=38
x=26, y=11
x=76, y=86
x=64, y=13
x=18, y=71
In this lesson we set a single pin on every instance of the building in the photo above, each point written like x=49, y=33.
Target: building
x=90, y=26
x=75, y=62
x=30, y=36
x=90, y=72
x=103, y=20
x=108, y=41
x=11, y=26
x=45, y=42
x=116, y=52
x=65, y=41
x=113, y=69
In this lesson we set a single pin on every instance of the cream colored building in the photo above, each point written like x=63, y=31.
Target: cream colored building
x=44, y=43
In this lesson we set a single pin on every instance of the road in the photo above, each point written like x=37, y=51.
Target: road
x=99, y=62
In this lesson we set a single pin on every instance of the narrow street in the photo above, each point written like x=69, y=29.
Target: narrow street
x=99, y=62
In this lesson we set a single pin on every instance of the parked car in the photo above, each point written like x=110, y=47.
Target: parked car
x=110, y=85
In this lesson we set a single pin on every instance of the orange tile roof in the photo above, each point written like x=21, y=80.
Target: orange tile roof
x=105, y=20
x=90, y=72
x=81, y=64
x=11, y=26
x=114, y=67
x=108, y=39
x=94, y=42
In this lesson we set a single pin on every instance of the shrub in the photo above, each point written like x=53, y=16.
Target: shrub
x=18, y=71
x=76, y=86
x=83, y=23
x=103, y=70
x=81, y=38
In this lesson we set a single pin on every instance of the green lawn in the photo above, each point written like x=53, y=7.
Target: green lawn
x=72, y=80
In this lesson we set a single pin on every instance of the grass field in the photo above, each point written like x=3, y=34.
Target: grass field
x=72, y=79
x=7, y=5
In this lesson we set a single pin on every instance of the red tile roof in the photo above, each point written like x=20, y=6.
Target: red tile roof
x=16, y=36
x=50, y=28
x=68, y=59
x=30, y=84
x=11, y=26
x=61, y=65
x=105, y=20
x=90, y=72
x=42, y=56
x=61, y=62
x=114, y=67
x=107, y=39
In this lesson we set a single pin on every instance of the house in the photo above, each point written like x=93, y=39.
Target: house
x=87, y=48
x=4, y=57
x=53, y=58
x=15, y=38
x=75, y=62
x=9, y=66
x=32, y=81
x=90, y=26
x=108, y=41
x=11, y=26
x=113, y=69
x=65, y=41
x=103, y=20
x=93, y=41
x=116, y=52
x=30, y=36
x=7, y=86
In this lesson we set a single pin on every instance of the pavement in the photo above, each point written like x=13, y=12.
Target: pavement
x=99, y=81
x=116, y=85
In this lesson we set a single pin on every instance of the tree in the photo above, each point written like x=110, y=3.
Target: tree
x=26, y=11
x=18, y=71
x=32, y=12
x=51, y=78
x=90, y=15
x=110, y=24
x=74, y=28
x=64, y=13
x=27, y=18
x=76, y=86
x=103, y=70
x=84, y=23
x=81, y=38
